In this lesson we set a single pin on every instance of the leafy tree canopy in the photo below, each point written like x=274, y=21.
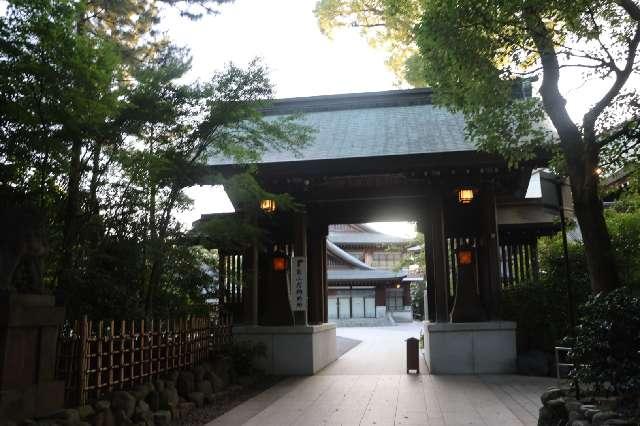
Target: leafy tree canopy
x=99, y=129
x=474, y=53
x=387, y=24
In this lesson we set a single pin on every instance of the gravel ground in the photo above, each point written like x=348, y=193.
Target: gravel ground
x=201, y=416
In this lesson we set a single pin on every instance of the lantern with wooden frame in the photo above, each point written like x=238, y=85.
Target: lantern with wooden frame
x=268, y=205
x=465, y=195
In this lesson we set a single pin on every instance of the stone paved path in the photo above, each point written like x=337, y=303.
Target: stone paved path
x=368, y=386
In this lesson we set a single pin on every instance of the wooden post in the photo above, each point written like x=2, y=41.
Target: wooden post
x=325, y=283
x=99, y=360
x=488, y=253
x=316, y=273
x=436, y=255
x=82, y=385
x=111, y=367
x=123, y=334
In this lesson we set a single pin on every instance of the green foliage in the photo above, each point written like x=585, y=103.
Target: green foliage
x=552, y=262
x=56, y=87
x=476, y=56
x=417, y=288
x=387, y=24
x=417, y=298
x=98, y=129
x=623, y=221
x=244, y=356
x=541, y=308
x=606, y=349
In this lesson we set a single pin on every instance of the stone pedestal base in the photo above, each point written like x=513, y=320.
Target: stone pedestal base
x=470, y=348
x=292, y=351
x=28, y=338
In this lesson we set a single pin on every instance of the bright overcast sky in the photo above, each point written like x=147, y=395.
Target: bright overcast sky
x=303, y=62
x=285, y=34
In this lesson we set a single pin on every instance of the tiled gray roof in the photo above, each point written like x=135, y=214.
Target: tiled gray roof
x=345, y=238
x=359, y=270
x=346, y=257
x=362, y=275
x=368, y=131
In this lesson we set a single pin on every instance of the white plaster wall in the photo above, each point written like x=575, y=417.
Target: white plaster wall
x=470, y=348
x=292, y=351
x=403, y=316
x=324, y=348
x=381, y=311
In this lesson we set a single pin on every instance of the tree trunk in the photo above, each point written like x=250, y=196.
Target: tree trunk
x=94, y=208
x=590, y=214
x=70, y=222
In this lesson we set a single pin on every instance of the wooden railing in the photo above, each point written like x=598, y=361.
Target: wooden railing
x=95, y=357
x=518, y=262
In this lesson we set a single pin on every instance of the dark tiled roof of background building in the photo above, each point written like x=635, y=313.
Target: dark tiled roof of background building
x=358, y=271
x=362, y=275
x=346, y=257
x=370, y=125
x=365, y=238
x=361, y=234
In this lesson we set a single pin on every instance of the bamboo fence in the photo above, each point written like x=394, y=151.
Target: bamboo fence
x=97, y=357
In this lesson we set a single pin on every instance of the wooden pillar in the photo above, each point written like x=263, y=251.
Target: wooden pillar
x=255, y=266
x=325, y=283
x=300, y=234
x=489, y=262
x=436, y=255
x=316, y=255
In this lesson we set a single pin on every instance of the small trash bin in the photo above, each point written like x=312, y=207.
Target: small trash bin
x=413, y=360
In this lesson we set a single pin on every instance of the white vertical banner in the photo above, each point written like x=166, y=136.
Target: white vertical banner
x=298, y=296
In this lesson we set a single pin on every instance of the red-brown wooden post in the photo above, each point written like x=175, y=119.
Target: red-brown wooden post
x=99, y=359
x=436, y=258
x=111, y=367
x=316, y=273
x=488, y=257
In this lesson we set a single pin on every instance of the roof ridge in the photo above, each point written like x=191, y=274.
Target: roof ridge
x=344, y=101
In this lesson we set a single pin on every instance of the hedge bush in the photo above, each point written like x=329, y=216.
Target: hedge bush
x=606, y=348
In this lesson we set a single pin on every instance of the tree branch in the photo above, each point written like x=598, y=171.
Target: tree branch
x=589, y=120
x=612, y=61
x=628, y=128
x=553, y=101
x=631, y=8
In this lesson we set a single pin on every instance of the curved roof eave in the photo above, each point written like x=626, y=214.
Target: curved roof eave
x=346, y=257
